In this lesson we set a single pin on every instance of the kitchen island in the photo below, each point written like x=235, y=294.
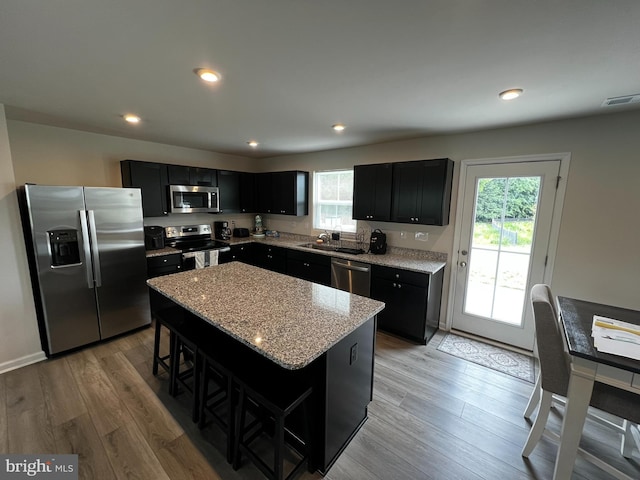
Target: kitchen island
x=289, y=327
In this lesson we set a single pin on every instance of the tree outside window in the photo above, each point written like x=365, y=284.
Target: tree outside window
x=333, y=201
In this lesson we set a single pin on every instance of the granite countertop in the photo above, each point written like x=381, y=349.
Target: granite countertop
x=286, y=319
x=162, y=251
x=407, y=259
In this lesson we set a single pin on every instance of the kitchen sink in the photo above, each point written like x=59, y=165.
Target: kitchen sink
x=333, y=248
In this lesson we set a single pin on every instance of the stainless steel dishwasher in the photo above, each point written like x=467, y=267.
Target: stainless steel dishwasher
x=350, y=276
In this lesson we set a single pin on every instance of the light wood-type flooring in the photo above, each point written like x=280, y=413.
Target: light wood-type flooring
x=433, y=416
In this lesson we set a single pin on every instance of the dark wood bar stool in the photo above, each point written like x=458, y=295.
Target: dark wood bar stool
x=271, y=406
x=217, y=392
x=183, y=334
x=168, y=318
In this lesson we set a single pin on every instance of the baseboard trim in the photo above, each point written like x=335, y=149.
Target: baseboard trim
x=22, y=362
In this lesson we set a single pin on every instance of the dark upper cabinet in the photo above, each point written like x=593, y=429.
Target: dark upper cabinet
x=229, y=184
x=285, y=193
x=422, y=192
x=151, y=178
x=184, y=175
x=372, y=192
x=264, y=193
x=247, y=192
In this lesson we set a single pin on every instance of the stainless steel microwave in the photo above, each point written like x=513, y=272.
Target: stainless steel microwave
x=194, y=199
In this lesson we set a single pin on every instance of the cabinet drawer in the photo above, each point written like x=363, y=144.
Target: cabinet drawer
x=400, y=276
x=171, y=260
x=309, y=257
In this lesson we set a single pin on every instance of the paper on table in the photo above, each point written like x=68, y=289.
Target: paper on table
x=616, y=337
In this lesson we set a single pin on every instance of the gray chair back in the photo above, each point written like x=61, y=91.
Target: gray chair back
x=554, y=369
x=555, y=362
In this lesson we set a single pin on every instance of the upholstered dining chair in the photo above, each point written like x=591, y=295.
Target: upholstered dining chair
x=553, y=381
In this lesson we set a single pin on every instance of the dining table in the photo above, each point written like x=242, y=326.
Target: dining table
x=588, y=365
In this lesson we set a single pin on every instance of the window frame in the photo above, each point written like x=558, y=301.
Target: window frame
x=317, y=174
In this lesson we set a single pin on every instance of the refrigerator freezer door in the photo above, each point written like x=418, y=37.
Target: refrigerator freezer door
x=66, y=296
x=120, y=265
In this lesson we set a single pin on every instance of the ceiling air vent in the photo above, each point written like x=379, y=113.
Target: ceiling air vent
x=624, y=100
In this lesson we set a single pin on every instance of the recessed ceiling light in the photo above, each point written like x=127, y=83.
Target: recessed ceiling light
x=208, y=75
x=131, y=118
x=338, y=127
x=510, y=94
x=252, y=143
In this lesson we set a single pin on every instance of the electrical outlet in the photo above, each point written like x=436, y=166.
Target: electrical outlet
x=422, y=236
x=353, y=354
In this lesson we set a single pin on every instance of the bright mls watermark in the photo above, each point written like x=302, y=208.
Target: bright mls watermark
x=44, y=466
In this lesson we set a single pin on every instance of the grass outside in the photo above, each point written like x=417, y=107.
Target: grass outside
x=486, y=234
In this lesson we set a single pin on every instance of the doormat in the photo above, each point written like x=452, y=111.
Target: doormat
x=505, y=361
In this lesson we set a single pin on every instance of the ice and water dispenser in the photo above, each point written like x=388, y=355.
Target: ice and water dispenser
x=64, y=247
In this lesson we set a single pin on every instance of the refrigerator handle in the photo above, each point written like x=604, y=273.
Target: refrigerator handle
x=86, y=247
x=94, y=248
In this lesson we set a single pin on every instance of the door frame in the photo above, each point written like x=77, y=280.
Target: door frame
x=564, y=158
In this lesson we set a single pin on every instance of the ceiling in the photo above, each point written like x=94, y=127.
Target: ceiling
x=292, y=68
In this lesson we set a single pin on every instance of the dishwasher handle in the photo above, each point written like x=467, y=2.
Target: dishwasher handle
x=351, y=267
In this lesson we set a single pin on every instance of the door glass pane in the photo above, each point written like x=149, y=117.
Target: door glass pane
x=501, y=245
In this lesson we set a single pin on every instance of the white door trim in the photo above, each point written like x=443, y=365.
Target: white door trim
x=564, y=159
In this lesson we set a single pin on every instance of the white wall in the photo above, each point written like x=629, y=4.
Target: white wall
x=19, y=340
x=597, y=256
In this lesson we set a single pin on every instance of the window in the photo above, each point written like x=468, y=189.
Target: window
x=333, y=200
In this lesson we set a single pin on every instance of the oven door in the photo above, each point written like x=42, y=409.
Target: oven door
x=193, y=199
x=202, y=258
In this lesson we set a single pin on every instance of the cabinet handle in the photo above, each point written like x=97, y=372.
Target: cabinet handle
x=399, y=285
x=164, y=260
x=394, y=284
x=397, y=275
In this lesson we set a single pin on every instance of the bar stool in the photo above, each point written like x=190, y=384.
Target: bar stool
x=275, y=404
x=185, y=377
x=168, y=318
x=217, y=392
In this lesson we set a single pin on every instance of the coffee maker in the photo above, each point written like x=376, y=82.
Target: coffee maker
x=221, y=230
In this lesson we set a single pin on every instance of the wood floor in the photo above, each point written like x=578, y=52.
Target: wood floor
x=433, y=416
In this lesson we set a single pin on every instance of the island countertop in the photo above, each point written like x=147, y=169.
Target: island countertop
x=286, y=319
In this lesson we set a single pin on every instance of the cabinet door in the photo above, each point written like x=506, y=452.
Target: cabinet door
x=269, y=257
x=178, y=175
x=247, y=192
x=309, y=266
x=406, y=308
x=151, y=179
x=229, y=184
x=407, y=191
x=436, y=192
x=422, y=191
x=207, y=177
x=290, y=193
x=372, y=192
x=283, y=193
x=264, y=192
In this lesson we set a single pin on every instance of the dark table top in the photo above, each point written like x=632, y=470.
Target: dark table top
x=577, y=318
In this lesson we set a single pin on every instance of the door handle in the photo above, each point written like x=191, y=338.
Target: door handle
x=463, y=264
x=85, y=247
x=94, y=248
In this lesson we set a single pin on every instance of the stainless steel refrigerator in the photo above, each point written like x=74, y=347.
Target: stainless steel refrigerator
x=87, y=261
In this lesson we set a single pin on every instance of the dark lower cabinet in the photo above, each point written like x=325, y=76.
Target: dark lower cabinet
x=412, y=301
x=309, y=266
x=164, y=265
x=269, y=257
x=238, y=253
